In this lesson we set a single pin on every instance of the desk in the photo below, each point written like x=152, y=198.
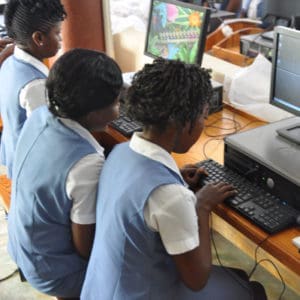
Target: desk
x=226, y=221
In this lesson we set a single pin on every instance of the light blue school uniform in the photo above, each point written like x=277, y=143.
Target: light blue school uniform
x=128, y=259
x=14, y=75
x=39, y=226
x=259, y=8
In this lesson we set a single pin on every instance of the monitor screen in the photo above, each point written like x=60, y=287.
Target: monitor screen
x=176, y=30
x=285, y=79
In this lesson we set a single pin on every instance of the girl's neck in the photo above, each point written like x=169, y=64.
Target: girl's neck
x=32, y=52
x=165, y=139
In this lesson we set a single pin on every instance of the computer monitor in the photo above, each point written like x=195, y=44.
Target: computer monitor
x=176, y=30
x=285, y=79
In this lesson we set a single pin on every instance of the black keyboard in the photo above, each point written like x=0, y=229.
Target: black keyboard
x=124, y=124
x=265, y=210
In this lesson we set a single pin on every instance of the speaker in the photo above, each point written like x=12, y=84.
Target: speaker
x=216, y=103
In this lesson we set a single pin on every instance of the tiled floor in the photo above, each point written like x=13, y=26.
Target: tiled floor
x=14, y=289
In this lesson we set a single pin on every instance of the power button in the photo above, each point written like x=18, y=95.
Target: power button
x=270, y=183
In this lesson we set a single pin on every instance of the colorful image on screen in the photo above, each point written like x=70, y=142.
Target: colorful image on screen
x=174, y=32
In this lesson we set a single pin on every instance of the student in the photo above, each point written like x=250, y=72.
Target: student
x=56, y=171
x=152, y=237
x=6, y=48
x=231, y=5
x=252, y=9
x=34, y=25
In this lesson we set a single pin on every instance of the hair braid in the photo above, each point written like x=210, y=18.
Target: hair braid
x=168, y=91
x=23, y=17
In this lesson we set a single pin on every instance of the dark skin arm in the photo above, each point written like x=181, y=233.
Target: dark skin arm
x=83, y=237
x=192, y=175
x=6, y=49
x=233, y=5
x=194, y=266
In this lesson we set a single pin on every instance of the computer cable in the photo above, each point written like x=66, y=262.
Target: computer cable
x=277, y=270
x=232, y=129
x=269, y=261
x=250, y=123
x=219, y=137
x=9, y=276
x=219, y=260
x=207, y=142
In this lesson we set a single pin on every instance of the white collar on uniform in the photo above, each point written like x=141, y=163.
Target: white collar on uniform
x=83, y=133
x=28, y=58
x=153, y=151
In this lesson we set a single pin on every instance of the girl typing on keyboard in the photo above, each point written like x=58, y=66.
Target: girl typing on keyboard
x=152, y=237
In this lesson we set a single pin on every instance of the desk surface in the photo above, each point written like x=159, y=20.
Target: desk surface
x=210, y=145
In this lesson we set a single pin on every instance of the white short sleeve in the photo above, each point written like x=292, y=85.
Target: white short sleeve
x=170, y=210
x=82, y=186
x=33, y=95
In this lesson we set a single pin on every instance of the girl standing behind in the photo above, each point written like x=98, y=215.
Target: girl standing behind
x=35, y=27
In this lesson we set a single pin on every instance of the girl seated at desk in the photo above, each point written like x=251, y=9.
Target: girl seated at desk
x=152, y=236
x=56, y=170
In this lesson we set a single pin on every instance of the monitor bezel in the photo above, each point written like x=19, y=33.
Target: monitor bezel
x=277, y=32
x=203, y=34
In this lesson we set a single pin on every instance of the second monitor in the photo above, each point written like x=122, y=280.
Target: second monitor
x=177, y=30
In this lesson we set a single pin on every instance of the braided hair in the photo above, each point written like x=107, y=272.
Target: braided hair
x=82, y=81
x=168, y=91
x=24, y=17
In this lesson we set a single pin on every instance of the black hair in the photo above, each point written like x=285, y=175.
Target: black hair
x=82, y=81
x=24, y=17
x=168, y=91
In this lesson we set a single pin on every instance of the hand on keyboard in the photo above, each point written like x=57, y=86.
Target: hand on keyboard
x=192, y=175
x=212, y=194
x=264, y=209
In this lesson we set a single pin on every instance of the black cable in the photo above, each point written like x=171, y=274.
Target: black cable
x=267, y=260
x=9, y=276
x=255, y=253
x=236, y=124
x=242, y=283
x=251, y=122
x=219, y=137
x=206, y=143
x=277, y=270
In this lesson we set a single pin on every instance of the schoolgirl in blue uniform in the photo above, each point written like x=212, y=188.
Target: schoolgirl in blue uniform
x=55, y=176
x=34, y=25
x=152, y=237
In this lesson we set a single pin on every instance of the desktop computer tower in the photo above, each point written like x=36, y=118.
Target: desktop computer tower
x=267, y=159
